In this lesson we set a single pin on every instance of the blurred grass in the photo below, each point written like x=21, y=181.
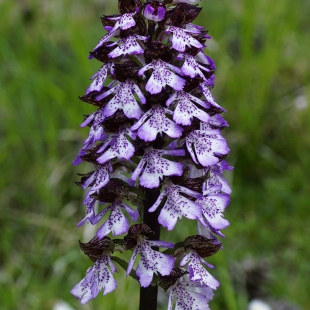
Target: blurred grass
x=262, y=54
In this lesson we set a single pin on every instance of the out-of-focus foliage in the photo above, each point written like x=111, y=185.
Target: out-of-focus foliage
x=261, y=49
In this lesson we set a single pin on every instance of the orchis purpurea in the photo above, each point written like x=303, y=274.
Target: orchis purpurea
x=158, y=154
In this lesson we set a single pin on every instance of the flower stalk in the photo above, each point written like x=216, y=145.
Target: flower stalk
x=158, y=153
x=148, y=295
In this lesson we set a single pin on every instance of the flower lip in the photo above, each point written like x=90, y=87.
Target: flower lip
x=181, y=39
x=116, y=223
x=176, y=205
x=163, y=74
x=128, y=45
x=98, y=277
x=153, y=167
x=197, y=272
x=151, y=262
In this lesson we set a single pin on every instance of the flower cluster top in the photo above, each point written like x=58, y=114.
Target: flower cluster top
x=157, y=126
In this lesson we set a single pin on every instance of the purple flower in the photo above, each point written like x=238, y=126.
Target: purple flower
x=197, y=272
x=151, y=261
x=116, y=222
x=153, y=122
x=98, y=178
x=152, y=167
x=163, y=74
x=99, y=78
x=99, y=277
x=176, y=205
x=206, y=147
x=119, y=146
x=128, y=46
x=123, y=100
x=191, y=67
x=216, y=177
x=181, y=38
x=96, y=132
x=213, y=205
x=124, y=21
x=186, y=110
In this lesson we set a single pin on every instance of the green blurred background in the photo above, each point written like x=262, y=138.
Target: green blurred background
x=261, y=49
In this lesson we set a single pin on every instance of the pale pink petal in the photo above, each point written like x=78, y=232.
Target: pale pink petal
x=153, y=167
x=99, y=277
x=181, y=39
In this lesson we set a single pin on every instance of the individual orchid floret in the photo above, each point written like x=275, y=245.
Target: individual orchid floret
x=191, y=67
x=128, y=45
x=176, y=205
x=187, y=294
x=213, y=205
x=155, y=121
x=123, y=100
x=216, y=177
x=124, y=21
x=154, y=11
x=119, y=146
x=96, y=132
x=186, y=110
x=99, y=277
x=209, y=98
x=151, y=261
x=116, y=222
x=152, y=167
x=181, y=39
x=196, y=270
x=163, y=74
x=99, y=78
x=206, y=147
x=90, y=216
x=98, y=179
